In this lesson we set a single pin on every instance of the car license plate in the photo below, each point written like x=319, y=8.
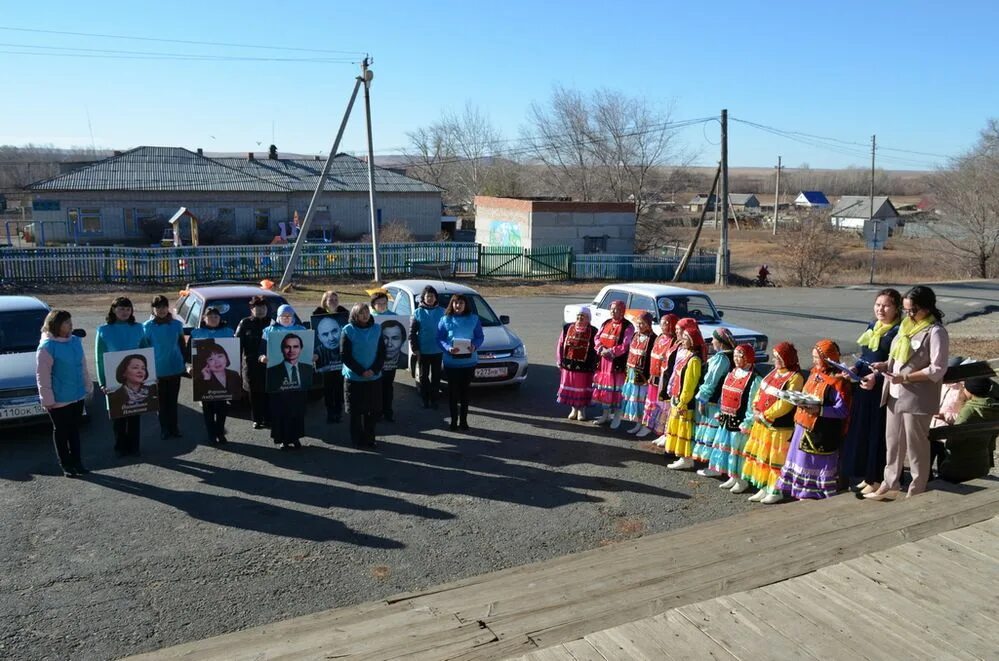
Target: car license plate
x=489, y=372
x=23, y=411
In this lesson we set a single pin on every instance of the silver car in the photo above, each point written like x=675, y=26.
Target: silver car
x=502, y=356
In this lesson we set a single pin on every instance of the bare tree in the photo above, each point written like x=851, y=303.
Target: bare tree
x=432, y=153
x=559, y=135
x=968, y=197
x=811, y=250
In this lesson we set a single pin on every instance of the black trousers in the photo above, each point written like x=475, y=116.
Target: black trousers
x=215, y=414
x=169, y=392
x=459, y=383
x=430, y=377
x=66, y=434
x=333, y=392
x=126, y=434
x=388, y=392
x=362, y=428
x=259, y=407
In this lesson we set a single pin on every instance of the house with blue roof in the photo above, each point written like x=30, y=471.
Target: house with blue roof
x=115, y=199
x=811, y=199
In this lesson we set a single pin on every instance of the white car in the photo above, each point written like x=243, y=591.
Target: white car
x=502, y=356
x=656, y=299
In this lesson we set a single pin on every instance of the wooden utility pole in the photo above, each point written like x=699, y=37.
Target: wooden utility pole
x=721, y=276
x=874, y=223
x=697, y=233
x=368, y=75
x=777, y=197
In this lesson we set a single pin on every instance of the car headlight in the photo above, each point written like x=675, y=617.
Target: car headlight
x=519, y=351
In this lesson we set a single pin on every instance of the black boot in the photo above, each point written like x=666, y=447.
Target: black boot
x=463, y=417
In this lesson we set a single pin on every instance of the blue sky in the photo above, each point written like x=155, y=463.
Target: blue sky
x=923, y=76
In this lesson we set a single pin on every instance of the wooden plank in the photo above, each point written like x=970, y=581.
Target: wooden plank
x=976, y=539
x=509, y=647
x=583, y=650
x=917, y=606
x=556, y=653
x=740, y=633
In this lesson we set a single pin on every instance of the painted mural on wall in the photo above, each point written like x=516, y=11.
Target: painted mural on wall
x=504, y=233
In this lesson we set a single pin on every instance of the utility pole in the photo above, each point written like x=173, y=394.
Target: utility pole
x=874, y=223
x=777, y=197
x=723, y=263
x=368, y=75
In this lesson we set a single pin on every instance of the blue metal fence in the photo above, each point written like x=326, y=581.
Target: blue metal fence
x=120, y=265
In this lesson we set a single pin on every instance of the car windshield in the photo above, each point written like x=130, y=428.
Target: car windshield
x=699, y=308
x=479, y=306
x=20, y=330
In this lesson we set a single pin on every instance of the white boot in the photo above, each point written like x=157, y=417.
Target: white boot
x=604, y=417
x=772, y=498
x=634, y=430
x=707, y=472
x=615, y=420
x=740, y=485
x=572, y=413
x=683, y=463
x=758, y=496
x=660, y=442
x=580, y=414
x=727, y=484
x=643, y=432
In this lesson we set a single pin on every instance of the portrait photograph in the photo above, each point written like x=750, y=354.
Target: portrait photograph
x=289, y=360
x=215, y=369
x=131, y=382
x=393, y=337
x=328, y=329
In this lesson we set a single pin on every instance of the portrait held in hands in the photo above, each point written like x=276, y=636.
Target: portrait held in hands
x=289, y=360
x=393, y=336
x=131, y=382
x=328, y=328
x=212, y=372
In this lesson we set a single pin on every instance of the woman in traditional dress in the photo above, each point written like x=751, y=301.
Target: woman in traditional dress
x=577, y=359
x=719, y=365
x=636, y=383
x=773, y=423
x=863, y=453
x=811, y=469
x=667, y=372
x=681, y=388
x=653, y=419
x=612, y=344
x=735, y=419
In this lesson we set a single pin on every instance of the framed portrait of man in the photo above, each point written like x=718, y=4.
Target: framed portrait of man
x=393, y=337
x=289, y=361
x=130, y=378
x=328, y=329
x=215, y=369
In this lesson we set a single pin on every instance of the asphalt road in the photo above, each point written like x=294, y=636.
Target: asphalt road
x=194, y=541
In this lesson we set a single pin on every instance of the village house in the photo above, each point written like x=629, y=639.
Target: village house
x=113, y=199
x=811, y=199
x=852, y=211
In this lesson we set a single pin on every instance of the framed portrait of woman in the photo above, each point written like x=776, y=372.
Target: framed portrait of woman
x=131, y=382
x=214, y=369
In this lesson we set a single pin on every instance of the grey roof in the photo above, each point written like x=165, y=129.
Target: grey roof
x=742, y=198
x=859, y=206
x=347, y=174
x=177, y=169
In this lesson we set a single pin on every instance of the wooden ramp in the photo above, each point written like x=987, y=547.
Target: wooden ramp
x=935, y=598
x=556, y=603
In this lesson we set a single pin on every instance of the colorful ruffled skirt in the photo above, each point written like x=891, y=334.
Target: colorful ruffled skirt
x=575, y=389
x=766, y=451
x=607, y=387
x=807, y=475
x=680, y=431
x=656, y=411
x=729, y=452
x=633, y=396
x=706, y=431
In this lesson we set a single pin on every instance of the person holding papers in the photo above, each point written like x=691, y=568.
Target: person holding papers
x=459, y=334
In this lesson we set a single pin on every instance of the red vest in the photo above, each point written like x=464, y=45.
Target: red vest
x=733, y=391
x=675, y=384
x=768, y=389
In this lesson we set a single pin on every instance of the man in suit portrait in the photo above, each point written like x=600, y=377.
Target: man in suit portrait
x=290, y=374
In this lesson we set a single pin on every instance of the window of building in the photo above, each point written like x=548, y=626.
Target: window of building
x=592, y=244
x=227, y=214
x=262, y=218
x=134, y=219
x=86, y=221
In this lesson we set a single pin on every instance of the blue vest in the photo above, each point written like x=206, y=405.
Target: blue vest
x=119, y=336
x=429, y=319
x=461, y=327
x=67, y=369
x=164, y=338
x=364, y=344
x=205, y=333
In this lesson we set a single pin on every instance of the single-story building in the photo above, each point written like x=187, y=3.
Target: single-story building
x=586, y=227
x=110, y=200
x=701, y=200
x=851, y=211
x=812, y=199
x=738, y=201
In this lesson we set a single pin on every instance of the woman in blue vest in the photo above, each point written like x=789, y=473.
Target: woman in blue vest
x=63, y=384
x=207, y=383
x=120, y=333
x=166, y=336
x=424, y=347
x=287, y=406
x=459, y=334
x=363, y=354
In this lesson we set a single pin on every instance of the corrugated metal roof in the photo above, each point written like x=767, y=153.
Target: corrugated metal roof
x=177, y=169
x=157, y=169
x=742, y=198
x=347, y=174
x=859, y=206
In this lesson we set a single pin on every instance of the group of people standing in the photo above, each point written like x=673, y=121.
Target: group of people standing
x=784, y=434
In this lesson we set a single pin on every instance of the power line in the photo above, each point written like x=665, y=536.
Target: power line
x=139, y=55
x=182, y=41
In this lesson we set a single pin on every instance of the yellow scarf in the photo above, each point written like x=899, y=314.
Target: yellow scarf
x=901, y=347
x=871, y=338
